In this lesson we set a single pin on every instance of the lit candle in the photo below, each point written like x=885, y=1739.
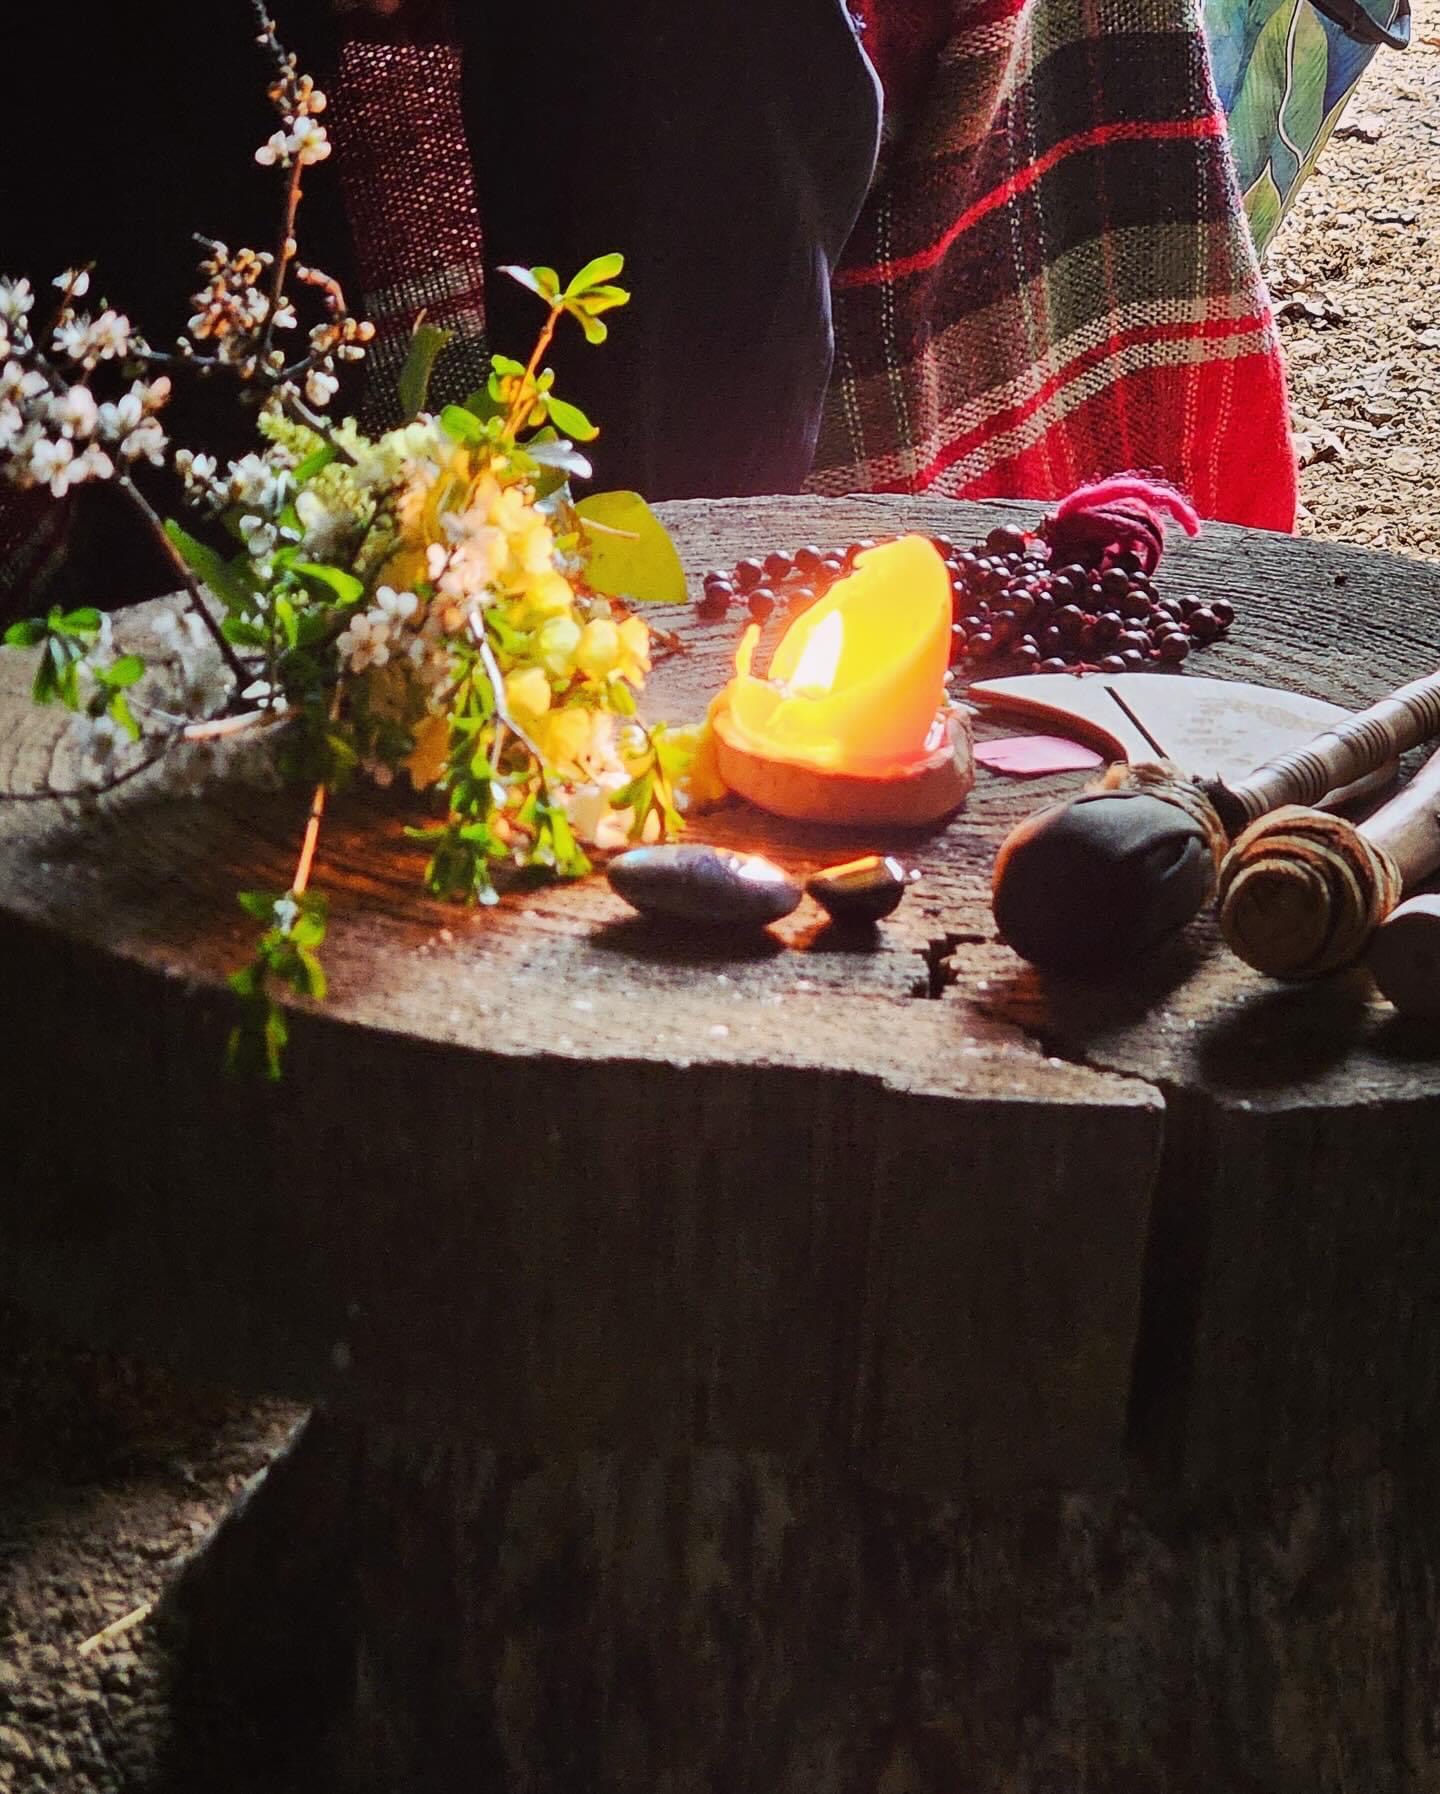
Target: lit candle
x=851, y=723
x=857, y=680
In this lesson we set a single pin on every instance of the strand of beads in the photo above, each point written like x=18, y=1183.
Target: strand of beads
x=1013, y=609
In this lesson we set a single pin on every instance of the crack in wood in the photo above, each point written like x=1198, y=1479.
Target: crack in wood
x=940, y=974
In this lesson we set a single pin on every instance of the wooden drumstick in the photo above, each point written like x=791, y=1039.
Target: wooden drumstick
x=1084, y=883
x=1335, y=758
x=1303, y=892
x=1405, y=957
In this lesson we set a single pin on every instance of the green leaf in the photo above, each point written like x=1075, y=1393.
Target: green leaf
x=426, y=343
x=122, y=673
x=77, y=622
x=28, y=633
x=543, y=282
x=314, y=462
x=642, y=562
x=121, y=713
x=484, y=404
x=208, y=567
x=462, y=424
x=570, y=420
x=309, y=931
x=604, y=267
x=595, y=331
x=345, y=586
x=242, y=634
x=600, y=299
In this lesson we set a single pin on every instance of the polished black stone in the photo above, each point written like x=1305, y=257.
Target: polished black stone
x=703, y=885
x=861, y=890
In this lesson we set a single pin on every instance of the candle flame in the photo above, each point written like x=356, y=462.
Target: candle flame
x=814, y=673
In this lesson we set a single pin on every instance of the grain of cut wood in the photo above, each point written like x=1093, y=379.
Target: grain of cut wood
x=759, y=1419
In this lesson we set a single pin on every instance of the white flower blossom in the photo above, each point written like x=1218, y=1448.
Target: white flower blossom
x=16, y=300
x=90, y=340
x=287, y=913
x=326, y=522
x=75, y=413
x=110, y=334
x=11, y=423
x=120, y=416
x=261, y=538
x=320, y=387
x=146, y=442
x=399, y=606
x=95, y=464
x=50, y=465
x=198, y=472
x=253, y=482
x=305, y=140
x=75, y=281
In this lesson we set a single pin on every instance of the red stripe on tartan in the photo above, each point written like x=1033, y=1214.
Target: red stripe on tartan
x=1163, y=131
x=1211, y=330
x=1236, y=466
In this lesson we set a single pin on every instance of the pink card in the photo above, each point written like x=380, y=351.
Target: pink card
x=1032, y=756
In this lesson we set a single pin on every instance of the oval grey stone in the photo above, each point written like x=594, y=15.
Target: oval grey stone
x=703, y=885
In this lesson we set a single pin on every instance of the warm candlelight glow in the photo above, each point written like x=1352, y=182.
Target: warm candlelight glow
x=857, y=681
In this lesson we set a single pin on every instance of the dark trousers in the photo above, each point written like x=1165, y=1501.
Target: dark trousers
x=725, y=146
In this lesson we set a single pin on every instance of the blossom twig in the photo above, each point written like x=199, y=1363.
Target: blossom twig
x=193, y=592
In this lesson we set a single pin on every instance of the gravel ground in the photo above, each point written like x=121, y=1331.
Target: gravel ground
x=1355, y=272
x=109, y=1472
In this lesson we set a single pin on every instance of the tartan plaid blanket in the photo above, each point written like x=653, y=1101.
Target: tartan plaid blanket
x=1051, y=279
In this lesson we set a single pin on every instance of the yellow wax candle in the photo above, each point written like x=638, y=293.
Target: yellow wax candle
x=857, y=681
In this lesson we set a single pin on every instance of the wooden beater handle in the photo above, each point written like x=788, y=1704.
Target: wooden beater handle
x=1335, y=758
x=1405, y=952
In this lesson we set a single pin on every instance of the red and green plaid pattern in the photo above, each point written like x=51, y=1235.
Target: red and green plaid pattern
x=1052, y=280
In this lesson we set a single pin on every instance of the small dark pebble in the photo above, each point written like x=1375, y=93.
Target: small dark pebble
x=761, y=602
x=713, y=606
x=748, y=574
x=861, y=890
x=777, y=564
x=808, y=558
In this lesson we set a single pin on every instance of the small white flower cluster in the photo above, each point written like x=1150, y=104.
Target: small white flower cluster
x=261, y=483
x=300, y=139
x=375, y=634
x=304, y=142
x=53, y=430
x=232, y=309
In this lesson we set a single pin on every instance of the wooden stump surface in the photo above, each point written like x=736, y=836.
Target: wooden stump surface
x=583, y=1185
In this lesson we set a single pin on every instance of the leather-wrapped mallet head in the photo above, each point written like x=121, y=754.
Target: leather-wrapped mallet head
x=1084, y=884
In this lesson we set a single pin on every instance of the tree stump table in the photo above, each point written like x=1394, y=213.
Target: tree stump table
x=787, y=1366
